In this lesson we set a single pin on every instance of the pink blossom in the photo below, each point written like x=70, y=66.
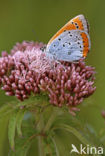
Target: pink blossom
x=27, y=69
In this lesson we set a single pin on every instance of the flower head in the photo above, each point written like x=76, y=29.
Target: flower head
x=27, y=69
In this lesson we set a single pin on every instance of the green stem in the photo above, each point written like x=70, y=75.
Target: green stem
x=40, y=138
x=51, y=119
x=40, y=146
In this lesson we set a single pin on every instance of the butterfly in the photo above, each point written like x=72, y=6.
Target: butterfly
x=71, y=42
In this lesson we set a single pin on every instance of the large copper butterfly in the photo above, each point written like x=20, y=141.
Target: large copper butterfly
x=71, y=42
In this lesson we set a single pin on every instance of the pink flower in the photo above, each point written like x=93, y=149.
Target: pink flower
x=27, y=69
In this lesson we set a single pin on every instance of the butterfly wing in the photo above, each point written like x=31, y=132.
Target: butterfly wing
x=77, y=23
x=71, y=45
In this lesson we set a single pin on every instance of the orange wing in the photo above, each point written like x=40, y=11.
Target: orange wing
x=86, y=44
x=79, y=22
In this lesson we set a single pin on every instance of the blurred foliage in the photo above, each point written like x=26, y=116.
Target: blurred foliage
x=46, y=126
x=38, y=20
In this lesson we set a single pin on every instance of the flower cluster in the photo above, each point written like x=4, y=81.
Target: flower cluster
x=27, y=69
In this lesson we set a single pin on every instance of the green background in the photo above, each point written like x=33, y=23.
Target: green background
x=38, y=20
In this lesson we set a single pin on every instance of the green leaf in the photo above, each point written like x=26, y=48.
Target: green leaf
x=73, y=131
x=4, y=110
x=61, y=148
x=20, y=116
x=21, y=151
x=11, y=130
x=52, y=118
x=55, y=145
x=23, y=144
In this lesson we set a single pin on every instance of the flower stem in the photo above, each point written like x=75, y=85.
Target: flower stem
x=51, y=119
x=40, y=146
x=40, y=138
